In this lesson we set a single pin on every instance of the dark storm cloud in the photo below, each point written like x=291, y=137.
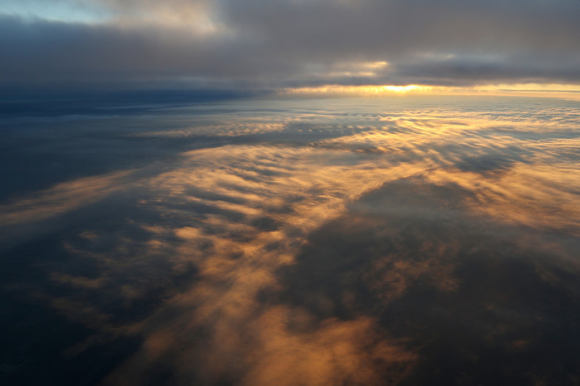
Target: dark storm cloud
x=466, y=70
x=260, y=44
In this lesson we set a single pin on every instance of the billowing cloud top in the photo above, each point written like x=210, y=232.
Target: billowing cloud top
x=263, y=44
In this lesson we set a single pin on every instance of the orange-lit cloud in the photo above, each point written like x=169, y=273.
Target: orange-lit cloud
x=61, y=198
x=242, y=213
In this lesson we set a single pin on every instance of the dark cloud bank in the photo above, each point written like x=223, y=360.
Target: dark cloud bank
x=255, y=44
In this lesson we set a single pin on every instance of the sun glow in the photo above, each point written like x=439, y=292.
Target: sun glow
x=529, y=90
x=360, y=90
x=411, y=87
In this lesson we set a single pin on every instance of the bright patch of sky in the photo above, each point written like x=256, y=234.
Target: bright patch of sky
x=53, y=10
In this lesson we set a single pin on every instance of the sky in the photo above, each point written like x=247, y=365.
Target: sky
x=288, y=44
x=185, y=202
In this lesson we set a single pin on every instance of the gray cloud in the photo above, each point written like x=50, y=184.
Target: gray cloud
x=258, y=44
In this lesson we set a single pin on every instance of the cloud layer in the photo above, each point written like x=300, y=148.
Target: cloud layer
x=298, y=242
x=285, y=43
